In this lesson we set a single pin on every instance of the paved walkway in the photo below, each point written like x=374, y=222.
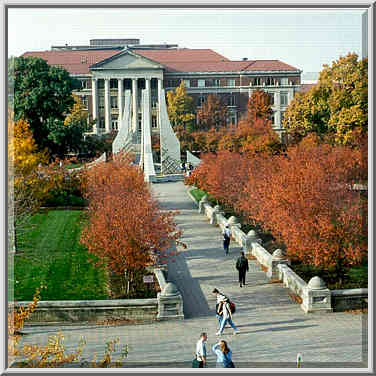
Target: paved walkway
x=273, y=329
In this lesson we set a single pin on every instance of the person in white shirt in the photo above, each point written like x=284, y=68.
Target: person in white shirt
x=226, y=238
x=226, y=318
x=201, y=350
x=218, y=308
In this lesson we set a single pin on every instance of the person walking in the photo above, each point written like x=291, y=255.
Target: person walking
x=224, y=355
x=226, y=318
x=218, y=306
x=226, y=238
x=201, y=350
x=242, y=267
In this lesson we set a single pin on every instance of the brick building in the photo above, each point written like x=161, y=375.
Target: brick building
x=108, y=67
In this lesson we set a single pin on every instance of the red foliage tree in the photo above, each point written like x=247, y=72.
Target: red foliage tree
x=213, y=114
x=125, y=223
x=259, y=106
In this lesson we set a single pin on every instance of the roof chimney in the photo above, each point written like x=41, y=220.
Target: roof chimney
x=245, y=58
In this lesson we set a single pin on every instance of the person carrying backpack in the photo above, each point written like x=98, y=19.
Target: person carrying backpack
x=226, y=317
x=242, y=267
x=226, y=238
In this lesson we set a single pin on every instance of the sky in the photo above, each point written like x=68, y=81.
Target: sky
x=302, y=38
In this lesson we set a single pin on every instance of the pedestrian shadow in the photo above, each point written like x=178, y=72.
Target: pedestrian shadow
x=282, y=328
x=293, y=321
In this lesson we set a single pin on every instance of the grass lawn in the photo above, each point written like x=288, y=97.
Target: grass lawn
x=198, y=194
x=50, y=254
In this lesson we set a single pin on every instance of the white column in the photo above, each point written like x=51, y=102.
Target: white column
x=94, y=101
x=120, y=100
x=159, y=101
x=148, y=89
x=134, y=104
x=107, y=105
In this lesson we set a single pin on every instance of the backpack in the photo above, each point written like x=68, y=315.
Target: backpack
x=228, y=363
x=232, y=307
x=241, y=263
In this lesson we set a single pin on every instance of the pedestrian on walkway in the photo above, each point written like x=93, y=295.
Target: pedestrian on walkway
x=224, y=354
x=226, y=318
x=218, y=306
x=242, y=267
x=201, y=350
x=226, y=238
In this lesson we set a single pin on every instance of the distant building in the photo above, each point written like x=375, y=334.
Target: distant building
x=107, y=67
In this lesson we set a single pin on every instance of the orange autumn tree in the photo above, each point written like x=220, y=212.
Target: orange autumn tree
x=212, y=114
x=125, y=223
x=305, y=199
x=259, y=106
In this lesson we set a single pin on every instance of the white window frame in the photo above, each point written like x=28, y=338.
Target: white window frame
x=284, y=81
x=85, y=101
x=231, y=82
x=284, y=95
x=216, y=82
x=200, y=83
x=187, y=83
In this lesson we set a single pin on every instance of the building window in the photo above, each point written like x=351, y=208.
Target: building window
x=113, y=84
x=230, y=82
x=284, y=99
x=84, y=84
x=101, y=123
x=139, y=122
x=114, y=123
x=84, y=101
x=170, y=83
x=201, y=83
x=257, y=81
x=231, y=100
x=154, y=121
x=217, y=82
x=114, y=102
x=100, y=84
x=201, y=100
x=284, y=81
x=271, y=98
x=187, y=83
x=272, y=118
x=231, y=118
x=101, y=102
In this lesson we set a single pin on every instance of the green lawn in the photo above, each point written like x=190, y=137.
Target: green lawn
x=52, y=255
x=198, y=194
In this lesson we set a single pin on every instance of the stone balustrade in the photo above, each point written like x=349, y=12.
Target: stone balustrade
x=316, y=297
x=167, y=306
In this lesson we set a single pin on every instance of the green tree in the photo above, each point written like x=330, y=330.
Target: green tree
x=336, y=108
x=68, y=135
x=212, y=114
x=180, y=108
x=42, y=95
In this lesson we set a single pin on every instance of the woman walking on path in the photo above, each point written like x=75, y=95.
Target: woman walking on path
x=226, y=318
x=223, y=353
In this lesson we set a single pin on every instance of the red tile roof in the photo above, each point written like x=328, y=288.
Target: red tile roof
x=75, y=62
x=175, y=60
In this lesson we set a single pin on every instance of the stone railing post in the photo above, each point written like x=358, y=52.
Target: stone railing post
x=203, y=201
x=316, y=297
x=278, y=258
x=233, y=221
x=252, y=237
x=170, y=303
x=217, y=210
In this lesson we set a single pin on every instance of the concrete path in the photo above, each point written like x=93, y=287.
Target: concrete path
x=273, y=329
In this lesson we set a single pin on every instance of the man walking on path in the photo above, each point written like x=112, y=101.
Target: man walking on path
x=242, y=267
x=201, y=350
x=226, y=238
